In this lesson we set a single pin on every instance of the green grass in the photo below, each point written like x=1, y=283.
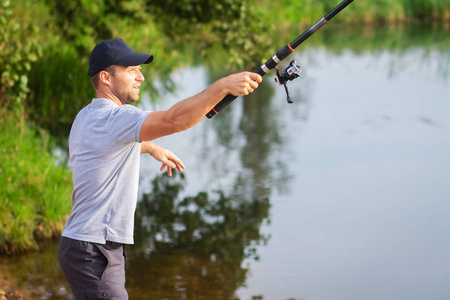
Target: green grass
x=35, y=191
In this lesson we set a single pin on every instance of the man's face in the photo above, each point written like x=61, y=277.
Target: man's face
x=125, y=83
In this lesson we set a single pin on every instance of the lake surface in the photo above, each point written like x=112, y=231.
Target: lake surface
x=342, y=195
x=359, y=177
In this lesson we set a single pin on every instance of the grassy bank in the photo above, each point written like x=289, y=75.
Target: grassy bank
x=290, y=12
x=35, y=191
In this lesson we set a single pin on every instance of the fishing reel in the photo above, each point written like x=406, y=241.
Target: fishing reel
x=292, y=71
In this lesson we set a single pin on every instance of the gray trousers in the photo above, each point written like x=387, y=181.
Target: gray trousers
x=94, y=271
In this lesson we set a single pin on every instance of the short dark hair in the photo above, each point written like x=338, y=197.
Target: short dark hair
x=96, y=78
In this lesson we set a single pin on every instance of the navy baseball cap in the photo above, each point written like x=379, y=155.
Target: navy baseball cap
x=115, y=52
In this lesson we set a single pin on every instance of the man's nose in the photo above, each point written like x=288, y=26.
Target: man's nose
x=140, y=77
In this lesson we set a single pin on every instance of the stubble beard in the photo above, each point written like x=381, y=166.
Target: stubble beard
x=128, y=97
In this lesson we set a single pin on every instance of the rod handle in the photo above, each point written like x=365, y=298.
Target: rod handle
x=221, y=105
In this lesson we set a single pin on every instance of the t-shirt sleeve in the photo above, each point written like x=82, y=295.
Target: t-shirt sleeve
x=126, y=122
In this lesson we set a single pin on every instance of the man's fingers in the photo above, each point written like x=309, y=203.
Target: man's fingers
x=256, y=77
x=253, y=86
x=179, y=163
x=253, y=82
x=180, y=168
x=170, y=165
x=173, y=159
x=243, y=83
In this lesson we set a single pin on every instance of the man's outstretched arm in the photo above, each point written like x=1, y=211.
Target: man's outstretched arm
x=189, y=112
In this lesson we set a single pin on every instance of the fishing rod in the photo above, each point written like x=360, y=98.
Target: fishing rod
x=293, y=70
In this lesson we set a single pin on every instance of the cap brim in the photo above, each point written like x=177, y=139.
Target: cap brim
x=135, y=59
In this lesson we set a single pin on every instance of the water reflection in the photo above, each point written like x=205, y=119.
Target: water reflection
x=192, y=247
x=257, y=138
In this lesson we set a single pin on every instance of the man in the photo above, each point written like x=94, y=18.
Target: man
x=105, y=143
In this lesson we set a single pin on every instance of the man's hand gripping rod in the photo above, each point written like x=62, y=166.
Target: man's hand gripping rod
x=282, y=54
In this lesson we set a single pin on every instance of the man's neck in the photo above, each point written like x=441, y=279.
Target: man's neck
x=110, y=96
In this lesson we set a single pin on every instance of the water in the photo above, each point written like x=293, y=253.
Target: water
x=366, y=215
x=356, y=173
x=360, y=201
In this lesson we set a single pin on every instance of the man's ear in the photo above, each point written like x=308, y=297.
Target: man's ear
x=105, y=77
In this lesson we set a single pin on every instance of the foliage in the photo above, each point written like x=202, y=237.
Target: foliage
x=233, y=24
x=84, y=22
x=60, y=87
x=230, y=23
x=35, y=191
x=19, y=47
x=427, y=10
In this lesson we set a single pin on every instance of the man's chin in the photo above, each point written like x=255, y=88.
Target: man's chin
x=132, y=100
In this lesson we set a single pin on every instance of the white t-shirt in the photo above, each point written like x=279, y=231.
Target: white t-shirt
x=104, y=149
